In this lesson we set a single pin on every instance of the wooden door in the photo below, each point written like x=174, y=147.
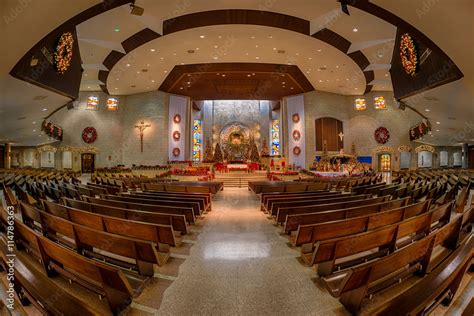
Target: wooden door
x=87, y=162
x=471, y=158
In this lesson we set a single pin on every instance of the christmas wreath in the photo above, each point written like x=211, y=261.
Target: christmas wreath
x=382, y=135
x=176, y=151
x=408, y=54
x=296, y=135
x=177, y=119
x=296, y=150
x=63, y=53
x=295, y=118
x=89, y=135
x=176, y=135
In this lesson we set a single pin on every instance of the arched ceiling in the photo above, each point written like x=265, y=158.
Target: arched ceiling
x=444, y=22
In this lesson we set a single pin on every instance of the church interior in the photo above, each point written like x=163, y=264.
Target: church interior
x=253, y=157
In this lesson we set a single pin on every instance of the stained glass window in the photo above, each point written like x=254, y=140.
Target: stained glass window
x=197, y=140
x=360, y=104
x=92, y=103
x=112, y=104
x=275, y=137
x=379, y=103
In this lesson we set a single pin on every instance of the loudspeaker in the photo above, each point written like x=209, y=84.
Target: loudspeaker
x=400, y=105
x=136, y=10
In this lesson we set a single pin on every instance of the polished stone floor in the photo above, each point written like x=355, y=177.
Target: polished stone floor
x=241, y=265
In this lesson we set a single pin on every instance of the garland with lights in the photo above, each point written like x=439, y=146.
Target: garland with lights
x=63, y=53
x=408, y=54
x=89, y=135
x=382, y=135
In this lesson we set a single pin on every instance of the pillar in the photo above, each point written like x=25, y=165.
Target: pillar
x=8, y=156
x=465, y=156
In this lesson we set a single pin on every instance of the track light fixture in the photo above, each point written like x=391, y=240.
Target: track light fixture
x=136, y=10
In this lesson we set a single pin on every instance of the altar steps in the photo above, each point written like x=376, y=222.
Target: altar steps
x=239, y=179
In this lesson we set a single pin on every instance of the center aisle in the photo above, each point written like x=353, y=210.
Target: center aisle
x=241, y=265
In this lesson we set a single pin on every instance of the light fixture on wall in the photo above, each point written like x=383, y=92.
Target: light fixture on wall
x=136, y=10
x=360, y=104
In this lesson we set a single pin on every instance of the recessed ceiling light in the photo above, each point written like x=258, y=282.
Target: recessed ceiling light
x=215, y=46
x=356, y=89
x=246, y=54
x=274, y=48
x=138, y=71
x=219, y=36
x=202, y=36
x=88, y=87
x=297, y=54
x=283, y=86
x=152, y=50
x=148, y=65
x=180, y=88
x=256, y=57
x=437, y=130
x=117, y=29
x=162, y=58
x=256, y=46
x=197, y=48
x=283, y=82
x=427, y=110
x=223, y=75
x=310, y=58
x=34, y=122
x=174, y=54
x=438, y=123
x=248, y=75
x=44, y=110
x=320, y=80
x=252, y=37
x=165, y=71
x=291, y=88
x=85, y=75
x=128, y=65
x=34, y=130
x=253, y=74
x=182, y=63
x=269, y=36
x=117, y=79
x=355, y=29
x=153, y=81
x=386, y=75
x=320, y=50
x=215, y=57
x=189, y=82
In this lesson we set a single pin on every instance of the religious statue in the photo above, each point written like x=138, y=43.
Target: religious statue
x=142, y=128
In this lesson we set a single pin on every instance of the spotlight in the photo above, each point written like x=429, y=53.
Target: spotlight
x=136, y=10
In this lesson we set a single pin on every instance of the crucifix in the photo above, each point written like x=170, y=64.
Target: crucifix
x=142, y=128
x=341, y=135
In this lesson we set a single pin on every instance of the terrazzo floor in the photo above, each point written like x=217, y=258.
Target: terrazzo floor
x=241, y=265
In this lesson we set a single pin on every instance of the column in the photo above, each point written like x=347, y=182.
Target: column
x=465, y=156
x=8, y=154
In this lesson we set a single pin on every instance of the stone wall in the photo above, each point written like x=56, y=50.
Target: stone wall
x=359, y=126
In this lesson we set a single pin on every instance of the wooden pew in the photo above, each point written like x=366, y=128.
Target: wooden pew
x=439, y=286
x=162, y=235
x=270, y=201
x=206, y=196
x=32, y=286
x=177, y=221
x=265, y=197
x=100, y=278
x=187, y=212
x=386, y=239
x=354, y=285
x=307, y=235
x=144, y=253
x=294, y=221
x=334, y=204
x=160, y=202
x=274, y=207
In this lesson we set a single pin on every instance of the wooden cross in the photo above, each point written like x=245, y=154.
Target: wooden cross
x=341, y=135
x=142, y=128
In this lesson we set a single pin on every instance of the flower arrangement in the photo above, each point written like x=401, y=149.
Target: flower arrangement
x=63, y=53
x=89, y=135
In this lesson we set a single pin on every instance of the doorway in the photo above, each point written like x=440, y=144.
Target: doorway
x=87, y=163
x=385, y=163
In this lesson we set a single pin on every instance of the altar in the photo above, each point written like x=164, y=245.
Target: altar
x=237, y=167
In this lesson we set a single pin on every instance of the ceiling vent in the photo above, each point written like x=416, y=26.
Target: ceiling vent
x=191, y=51
x=40, y=97
x=281, y=51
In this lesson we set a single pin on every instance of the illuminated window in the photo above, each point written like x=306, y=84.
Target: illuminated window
x=92, y=103
x=379, y=103
x=275, y=137
x=360, y=104
x=197, y=140
x=112, y=104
